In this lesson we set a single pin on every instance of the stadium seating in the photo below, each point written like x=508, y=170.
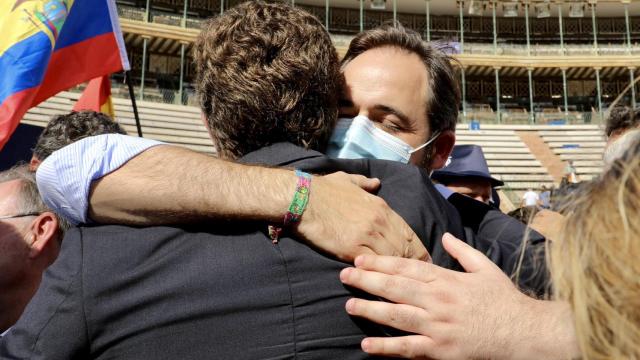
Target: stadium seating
x=509, y=158
x=180, y=125
x=583, y=144
x=513, y=162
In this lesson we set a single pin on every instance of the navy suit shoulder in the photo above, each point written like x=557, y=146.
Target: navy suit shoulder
x=517, y=249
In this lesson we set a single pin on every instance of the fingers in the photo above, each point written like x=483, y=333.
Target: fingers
x=415, y=249
x=411, y=347
x=397, y=238
x=379, y=245
x=471, y=259
x=403, y=317
x=349, y=255
x=398, y=232
x=391, y=287
x=368, y=184
x=412, y=269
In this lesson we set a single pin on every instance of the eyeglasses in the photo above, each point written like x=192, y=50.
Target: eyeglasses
x=19, y=216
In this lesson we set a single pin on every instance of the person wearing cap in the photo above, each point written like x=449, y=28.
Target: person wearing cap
x=467, y=173
x=466, y=183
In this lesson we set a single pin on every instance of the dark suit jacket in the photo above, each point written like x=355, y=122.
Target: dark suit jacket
x=517, y=249
x=214, y=292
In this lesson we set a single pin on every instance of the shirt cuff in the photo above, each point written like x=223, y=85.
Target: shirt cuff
x=64, y=178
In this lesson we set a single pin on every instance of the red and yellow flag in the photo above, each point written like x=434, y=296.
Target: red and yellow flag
x=97, y=97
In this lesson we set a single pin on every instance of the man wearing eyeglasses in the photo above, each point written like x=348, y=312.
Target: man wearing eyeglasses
x=30, y=236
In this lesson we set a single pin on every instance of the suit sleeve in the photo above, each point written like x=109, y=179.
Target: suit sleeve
x=517, y=249
x=53, y=325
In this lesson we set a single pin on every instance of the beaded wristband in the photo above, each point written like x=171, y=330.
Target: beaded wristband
x=297, y=206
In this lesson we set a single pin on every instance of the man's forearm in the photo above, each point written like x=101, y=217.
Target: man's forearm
x=199, y=186
x=551, y=333
x=123, y=180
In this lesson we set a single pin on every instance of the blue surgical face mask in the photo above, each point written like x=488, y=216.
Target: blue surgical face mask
x=359, y=138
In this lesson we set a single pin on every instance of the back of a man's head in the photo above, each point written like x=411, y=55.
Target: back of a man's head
x=621, y=119
x=65, y=129
x=266, y=73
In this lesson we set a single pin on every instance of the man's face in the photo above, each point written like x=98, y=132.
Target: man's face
x=14, y=234
x=476, y=188
x=389, y=86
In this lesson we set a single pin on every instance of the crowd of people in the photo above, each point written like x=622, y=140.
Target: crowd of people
x=392, y=244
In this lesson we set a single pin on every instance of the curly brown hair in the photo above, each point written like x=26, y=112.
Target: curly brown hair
x=621, y=119
x=266, y=73
x=65, y=129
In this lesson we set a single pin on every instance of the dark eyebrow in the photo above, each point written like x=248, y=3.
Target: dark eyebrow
x=389, y=110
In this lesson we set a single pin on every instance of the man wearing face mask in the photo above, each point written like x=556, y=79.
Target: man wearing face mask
x=400, y=103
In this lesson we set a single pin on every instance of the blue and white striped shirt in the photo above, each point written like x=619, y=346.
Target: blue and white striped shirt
x=64, y=178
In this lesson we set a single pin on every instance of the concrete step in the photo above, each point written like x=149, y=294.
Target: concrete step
x=520, y=177
x=517, y=170
x=573, y=139
x=466, y=131
x=494, y=144
x=516, y=163
x=595, y=144
x=595, y=132
x=575, y=156
x=485, y=138
x=505, y=156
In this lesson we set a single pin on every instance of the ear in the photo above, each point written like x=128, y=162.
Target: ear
x=442, y=148
x=44, y=230
x=34, y=163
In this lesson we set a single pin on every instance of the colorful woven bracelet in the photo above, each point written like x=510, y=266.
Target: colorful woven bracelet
x=297, y=207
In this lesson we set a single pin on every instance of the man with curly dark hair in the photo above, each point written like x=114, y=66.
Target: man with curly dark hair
x=622, y=126
x=65, y=129
x=261, y=83
x=620, y=120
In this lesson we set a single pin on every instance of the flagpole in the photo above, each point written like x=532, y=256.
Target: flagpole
x=127, y=79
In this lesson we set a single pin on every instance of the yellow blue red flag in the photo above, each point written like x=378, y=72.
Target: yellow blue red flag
x=47, y=46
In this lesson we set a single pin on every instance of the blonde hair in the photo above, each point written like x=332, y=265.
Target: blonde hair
x=595, y=264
